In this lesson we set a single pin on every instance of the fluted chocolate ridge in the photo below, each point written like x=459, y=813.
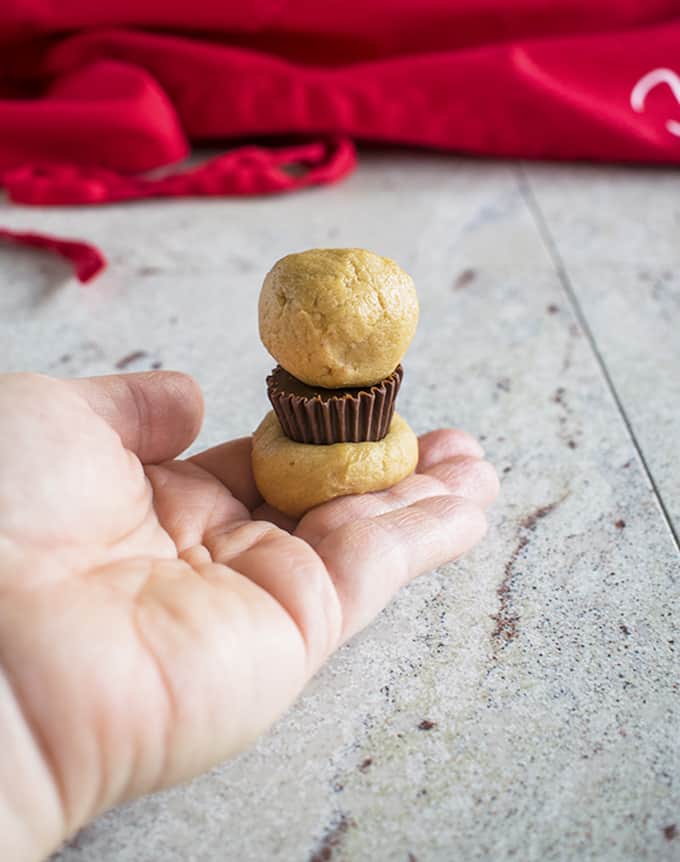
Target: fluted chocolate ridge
x=309, y=414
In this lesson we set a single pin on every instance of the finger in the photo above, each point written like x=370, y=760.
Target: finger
x=467, y=477
x=371, y=559
x=190, y=503
x=290, y=572
x=445, y=443
x=462, y=476
x=156, y=414
x=230, y=463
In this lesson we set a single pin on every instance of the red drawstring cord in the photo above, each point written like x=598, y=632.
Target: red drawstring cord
x=244, y=171
x=87, y=260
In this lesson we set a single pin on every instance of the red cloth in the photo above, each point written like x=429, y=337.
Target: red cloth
x=125, y=84
x=94, y=92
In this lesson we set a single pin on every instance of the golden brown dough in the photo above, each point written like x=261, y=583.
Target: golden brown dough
x=337, y=317
x=294, y=477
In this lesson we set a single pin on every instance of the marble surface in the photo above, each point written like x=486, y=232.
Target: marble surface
x=524, y=703
x=616, y=234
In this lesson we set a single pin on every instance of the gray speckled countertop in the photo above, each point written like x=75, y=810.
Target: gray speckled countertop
x=523, y=704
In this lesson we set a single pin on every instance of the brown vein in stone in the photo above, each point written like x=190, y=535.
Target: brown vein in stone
x=507, y=618
x=332, y=839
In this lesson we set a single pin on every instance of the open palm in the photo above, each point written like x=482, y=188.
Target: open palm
x=155, y=615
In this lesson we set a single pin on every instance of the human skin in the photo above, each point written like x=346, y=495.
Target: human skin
x=155, y=615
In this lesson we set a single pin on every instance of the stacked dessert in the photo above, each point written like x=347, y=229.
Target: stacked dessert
x=338, y=322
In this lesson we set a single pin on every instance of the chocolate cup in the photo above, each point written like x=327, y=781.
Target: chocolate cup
x=309, y=414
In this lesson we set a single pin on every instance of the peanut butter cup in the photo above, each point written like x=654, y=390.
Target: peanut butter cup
x=310, y=414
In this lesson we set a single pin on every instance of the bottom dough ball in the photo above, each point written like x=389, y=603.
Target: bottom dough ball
x=294, y=477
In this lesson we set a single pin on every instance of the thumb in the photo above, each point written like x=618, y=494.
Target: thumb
x=157, y=414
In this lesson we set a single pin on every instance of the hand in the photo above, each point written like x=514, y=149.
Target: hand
x=155, y=615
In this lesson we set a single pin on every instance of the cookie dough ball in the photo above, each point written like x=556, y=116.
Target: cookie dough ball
x=294, y=477
x=337, y=317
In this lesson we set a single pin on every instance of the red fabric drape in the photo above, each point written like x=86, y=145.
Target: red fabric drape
x=126, y=84
x=92, y=94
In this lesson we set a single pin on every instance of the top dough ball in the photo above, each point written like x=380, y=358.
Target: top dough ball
x=337, y=317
